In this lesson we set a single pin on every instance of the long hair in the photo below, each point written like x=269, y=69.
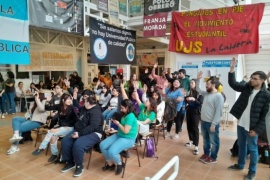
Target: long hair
x=63, y=99
x=107, y=92
x=153, y=105
x=172, y=87
x=193, y=92
x=10, y=75
x=129, y=105
x=159, y=96
x=41, y=97
x=1, y=78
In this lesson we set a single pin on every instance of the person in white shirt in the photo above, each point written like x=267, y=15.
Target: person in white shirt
x=250, y=109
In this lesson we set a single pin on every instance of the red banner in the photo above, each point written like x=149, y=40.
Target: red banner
x=230, y=30
x=155, y=25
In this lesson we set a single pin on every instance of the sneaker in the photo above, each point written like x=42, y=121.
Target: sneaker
x=188, y=144
x=15, y=138
x=250, y=176
x=53, y=158
x=196, y=150
x=119, y=168
x=175, y=136
x=68, y=167
x=13, y=149
x=3, y=116
x=108, y=167
x=210, y=160
x=37, y=152
x=78, y=171
x=167, y=134
x=203, y=158
x=235, y=167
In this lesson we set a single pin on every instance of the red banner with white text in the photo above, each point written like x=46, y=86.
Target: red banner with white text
x=229, y=30
x=155, y=24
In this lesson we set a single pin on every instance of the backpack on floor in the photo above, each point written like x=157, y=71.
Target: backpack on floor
x=264, y=153
x=150, y=147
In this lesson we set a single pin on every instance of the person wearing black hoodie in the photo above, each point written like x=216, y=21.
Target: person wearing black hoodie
x=87, y=132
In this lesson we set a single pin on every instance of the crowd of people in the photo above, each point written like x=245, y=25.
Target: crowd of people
x=132, y=106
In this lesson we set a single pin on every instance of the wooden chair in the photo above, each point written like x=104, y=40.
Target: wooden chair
x=134, y=147
x=158, y=128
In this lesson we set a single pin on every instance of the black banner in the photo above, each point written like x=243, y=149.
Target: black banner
x=156, y=6
x=64, y=15
x=110, y=44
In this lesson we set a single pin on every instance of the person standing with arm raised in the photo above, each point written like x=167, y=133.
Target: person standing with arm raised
x=250, y=109
x=211, y=113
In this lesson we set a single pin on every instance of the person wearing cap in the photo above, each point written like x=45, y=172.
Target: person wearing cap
x=174, y=76
x=161, y=80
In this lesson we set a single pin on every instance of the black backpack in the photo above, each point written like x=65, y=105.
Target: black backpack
x=264, y=153
x=170, y=110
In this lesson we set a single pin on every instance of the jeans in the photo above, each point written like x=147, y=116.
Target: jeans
x=210, y=139
x=62, y=132
x=246, y=141
x=11, y=102
x=113, y=145
x=73, y=149
x=107, y=114
x=22, y=125
x=2, y=104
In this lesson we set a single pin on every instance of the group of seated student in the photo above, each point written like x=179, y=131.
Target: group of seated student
x=78, y=117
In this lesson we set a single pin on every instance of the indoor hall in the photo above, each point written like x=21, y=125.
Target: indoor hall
x=22, y=165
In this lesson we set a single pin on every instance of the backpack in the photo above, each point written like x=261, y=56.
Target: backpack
x=170, y=110
x=150, y=147
x=264, y=152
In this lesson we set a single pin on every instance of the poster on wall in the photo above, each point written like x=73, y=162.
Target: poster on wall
x=103, y=5
x=51, y=58
x=114, y=12
x=62, y=15
x=228, y=30
x=14, y=32
x=191, y=70
x=155, y=6
x=110, y=44
x=123, y=7
x=135, y=7
x=147, y=59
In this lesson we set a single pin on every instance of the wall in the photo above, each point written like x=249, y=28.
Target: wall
x=175, y=61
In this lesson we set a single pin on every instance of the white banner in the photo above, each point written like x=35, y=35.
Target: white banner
x=51, y=58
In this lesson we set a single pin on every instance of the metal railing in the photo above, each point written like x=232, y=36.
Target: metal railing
x=173, y=162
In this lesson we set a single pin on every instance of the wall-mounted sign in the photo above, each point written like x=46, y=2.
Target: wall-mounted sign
x=110, y=44
x=14, y=32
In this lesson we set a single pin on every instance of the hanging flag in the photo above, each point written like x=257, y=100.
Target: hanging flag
x=229, y=30
x=14, y=32
x=155, y=25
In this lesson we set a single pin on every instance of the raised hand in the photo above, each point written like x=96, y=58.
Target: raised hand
x=199, y=76
x=146, y=71
x=155, y=65
x=145, y=88
x=233, y=63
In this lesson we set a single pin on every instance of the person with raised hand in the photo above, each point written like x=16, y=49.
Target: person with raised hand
x=250, y=109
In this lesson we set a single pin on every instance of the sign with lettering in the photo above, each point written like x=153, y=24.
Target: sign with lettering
x=51, y=58
x=230, y=30
x=103, y=5
x=155, y=25
x=62, y=15
x=14, y=32
x=114, y=12
x=110, y=44
x=156, y=6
